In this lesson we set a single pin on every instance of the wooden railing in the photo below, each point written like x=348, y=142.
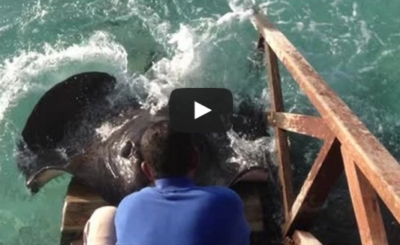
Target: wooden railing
x=348, y=146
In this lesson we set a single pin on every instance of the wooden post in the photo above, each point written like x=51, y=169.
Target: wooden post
x=285, y=170
x=365, y=204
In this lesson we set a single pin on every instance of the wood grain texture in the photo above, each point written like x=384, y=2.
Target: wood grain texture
x=80, y=202
x=282, y=148
x=365, y=204
x=300, y=124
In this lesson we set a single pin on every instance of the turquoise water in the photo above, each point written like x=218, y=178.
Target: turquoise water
x=354, y=45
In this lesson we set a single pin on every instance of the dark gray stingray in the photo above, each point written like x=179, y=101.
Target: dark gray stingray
x=76, y=128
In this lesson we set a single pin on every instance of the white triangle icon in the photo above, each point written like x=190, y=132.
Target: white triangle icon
x=200, y=110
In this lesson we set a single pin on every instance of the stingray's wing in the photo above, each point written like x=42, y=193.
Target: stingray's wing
x=63, y=106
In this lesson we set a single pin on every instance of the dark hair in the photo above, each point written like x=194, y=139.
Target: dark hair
x=169, y=153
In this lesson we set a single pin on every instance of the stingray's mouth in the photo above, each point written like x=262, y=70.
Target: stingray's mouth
x=42, y=177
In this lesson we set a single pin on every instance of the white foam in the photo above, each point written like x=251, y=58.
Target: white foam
x=190, y=48
x=355, y=7
x=34, y=12
x=107, y=129
x=299, y=26
x=249, y=153
x=23, y=73
x=4, y=28
x=238, y=15
x=366, y=35
x=168, y=74
x=335, y=3
x=241, y=5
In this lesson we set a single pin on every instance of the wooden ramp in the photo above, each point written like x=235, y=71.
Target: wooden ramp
x=81, y=201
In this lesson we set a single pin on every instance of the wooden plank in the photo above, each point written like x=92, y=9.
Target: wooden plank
x=247, y=186
x=79, y=204
x=285, y=169
x=78, y=242
x=301, y=124
x=252, y=207
x=253, y=188
x=326, y=169
x=365, y=204
x=374, y=161
x=305, y=238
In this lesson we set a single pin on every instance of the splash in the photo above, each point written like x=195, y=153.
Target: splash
x=33, y=72
x=250, y=153
x=168, y=74
x=194, y=49
x=107, y=129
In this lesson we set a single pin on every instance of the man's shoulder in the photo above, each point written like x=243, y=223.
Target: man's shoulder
x=137, y=197
x=222, y=193
x=222, y=202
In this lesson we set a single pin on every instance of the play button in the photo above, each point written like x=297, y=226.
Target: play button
x=200, y=110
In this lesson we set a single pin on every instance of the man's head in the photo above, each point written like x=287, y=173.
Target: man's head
x=167, y=153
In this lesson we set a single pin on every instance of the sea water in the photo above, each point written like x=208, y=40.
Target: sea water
x=354, y=45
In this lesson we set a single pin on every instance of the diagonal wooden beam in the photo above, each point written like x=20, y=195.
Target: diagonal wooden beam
x=365, y=204
x=326, y=170
x=285, y=169
x=301, y=124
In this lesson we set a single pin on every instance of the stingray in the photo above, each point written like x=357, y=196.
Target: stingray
x=77, y=128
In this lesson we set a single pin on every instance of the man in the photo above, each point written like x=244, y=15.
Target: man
x=175, y=211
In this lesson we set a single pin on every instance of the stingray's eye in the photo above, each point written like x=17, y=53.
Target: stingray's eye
x=127, y=150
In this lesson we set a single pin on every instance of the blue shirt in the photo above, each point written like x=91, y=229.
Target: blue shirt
x=177, y=212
